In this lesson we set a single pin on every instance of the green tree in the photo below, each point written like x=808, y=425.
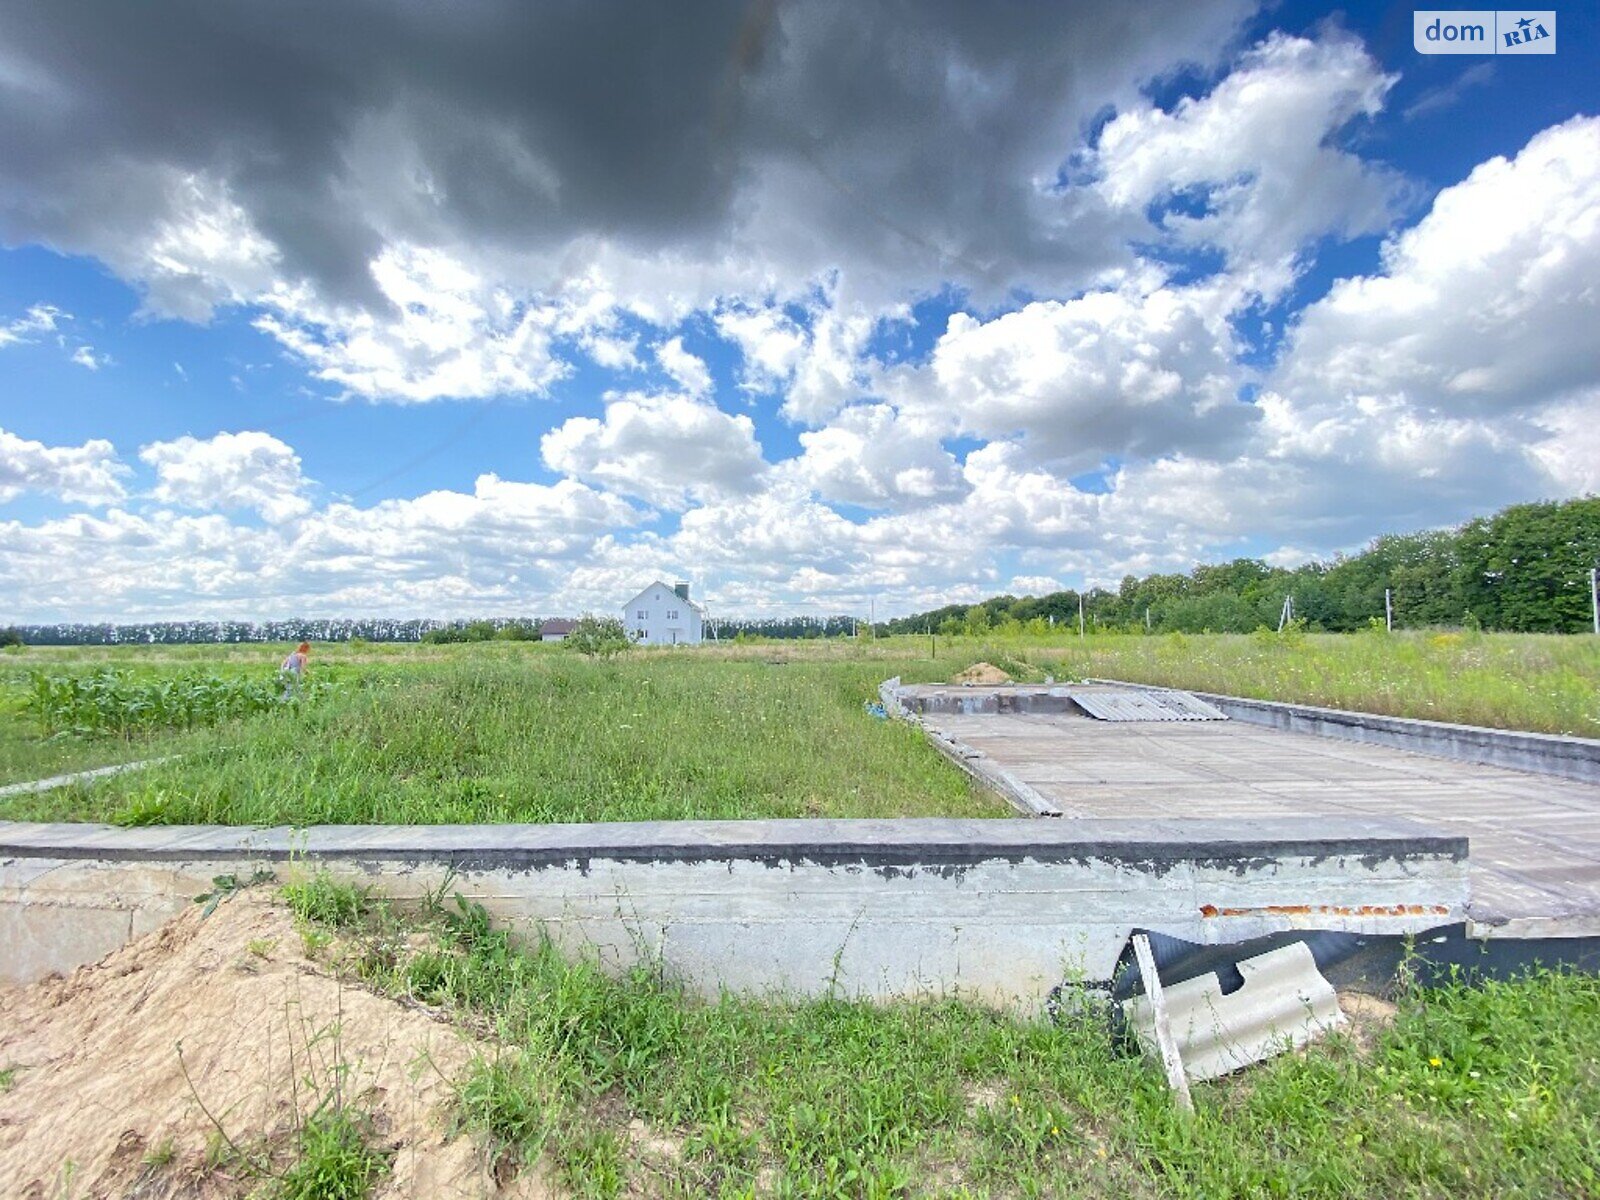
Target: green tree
x=1528, y=566
x=598, y=637
x=518, y=631
x=1235, y=576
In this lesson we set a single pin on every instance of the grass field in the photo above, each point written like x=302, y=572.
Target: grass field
x=1546, y=683
x=525, y=732
x=1488, y=1091
x=517, y=733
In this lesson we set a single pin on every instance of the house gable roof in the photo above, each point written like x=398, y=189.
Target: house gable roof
x=666, y=587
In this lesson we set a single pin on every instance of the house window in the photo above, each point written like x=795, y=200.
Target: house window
x=672, y=614
x=642, y=615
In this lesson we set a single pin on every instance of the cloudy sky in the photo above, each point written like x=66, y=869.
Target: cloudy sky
x=502, y=307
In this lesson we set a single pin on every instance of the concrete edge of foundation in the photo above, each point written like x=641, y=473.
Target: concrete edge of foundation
x=1025, y=799
x=1538, y=753
x=890, y=843
x=997, y=910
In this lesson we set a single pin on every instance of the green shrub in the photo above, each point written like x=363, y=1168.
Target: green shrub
x=598, y=637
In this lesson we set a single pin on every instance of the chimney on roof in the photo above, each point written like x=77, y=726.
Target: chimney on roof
x=682, y=589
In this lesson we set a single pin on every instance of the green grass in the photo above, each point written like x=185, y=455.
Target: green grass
x=27, y=752
x=324, y=899
x=513, y=732
x=1542, y=682
x=35, y=744
x=163, y=1154
x=334, y=1159
x=1472, y=1092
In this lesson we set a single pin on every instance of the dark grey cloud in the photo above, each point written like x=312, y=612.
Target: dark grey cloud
x=901, y=140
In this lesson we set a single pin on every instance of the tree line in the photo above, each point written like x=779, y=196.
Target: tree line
x=344, y=629
x=1524, y=569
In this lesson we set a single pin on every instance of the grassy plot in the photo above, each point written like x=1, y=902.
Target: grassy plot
x=28, y=750
x=626, y=1086
x=512, y=732
x=26, y=755
x=1543, y=682
x=539, y=734
x=72, y=711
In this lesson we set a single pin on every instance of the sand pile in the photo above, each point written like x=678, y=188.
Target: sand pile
x=99, y=1104
x=983, y=674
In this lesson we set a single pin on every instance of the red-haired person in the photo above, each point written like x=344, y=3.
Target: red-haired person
x=294, y=669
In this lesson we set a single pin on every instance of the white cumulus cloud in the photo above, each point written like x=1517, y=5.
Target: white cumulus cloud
x=248, y=470
x=1255, y=157
x=1486, y=306
x=455, y=335
x=86, y=474
x=1107, y=375
x=688, y=370
x=868, y=455
x=669, y=450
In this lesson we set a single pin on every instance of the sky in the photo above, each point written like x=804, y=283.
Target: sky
x=491, y=308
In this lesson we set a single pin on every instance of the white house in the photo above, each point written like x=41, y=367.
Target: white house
x=555, y=630
x=664, y=616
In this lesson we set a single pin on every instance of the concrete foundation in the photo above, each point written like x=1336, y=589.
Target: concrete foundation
x=1535, y=835
x=1000, y=911
x=1539, y=753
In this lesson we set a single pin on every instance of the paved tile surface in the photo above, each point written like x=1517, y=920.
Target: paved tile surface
x=1535, y=840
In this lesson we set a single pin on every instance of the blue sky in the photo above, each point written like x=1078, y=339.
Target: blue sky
x=824, y=307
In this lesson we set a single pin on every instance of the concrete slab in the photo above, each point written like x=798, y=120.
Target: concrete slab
x=1535, y=839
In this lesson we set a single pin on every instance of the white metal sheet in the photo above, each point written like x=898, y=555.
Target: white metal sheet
x=1145, y=706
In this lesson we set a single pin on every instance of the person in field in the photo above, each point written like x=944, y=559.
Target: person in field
x=294, y=669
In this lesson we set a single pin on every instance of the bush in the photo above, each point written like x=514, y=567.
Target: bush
x=472, y=631
x=598, y=637
x=518, y=631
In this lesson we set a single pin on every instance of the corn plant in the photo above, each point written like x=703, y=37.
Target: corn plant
x=115, y=703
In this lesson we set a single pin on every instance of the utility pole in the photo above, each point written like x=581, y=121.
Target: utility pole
x=1594, y=598
x=1080, y=614
x=1147, y=618
x=1388, y=612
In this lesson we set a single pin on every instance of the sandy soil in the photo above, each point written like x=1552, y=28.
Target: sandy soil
x=982, y=674
x=100, y=1105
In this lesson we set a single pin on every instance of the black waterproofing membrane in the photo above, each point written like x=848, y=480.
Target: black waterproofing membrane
x=1363, y=962
x=1366, y=962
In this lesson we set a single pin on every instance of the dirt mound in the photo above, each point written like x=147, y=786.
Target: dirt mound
x=102, y=1104
x=982, y=673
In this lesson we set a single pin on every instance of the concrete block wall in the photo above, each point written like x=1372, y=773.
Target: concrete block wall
x=1000, y=911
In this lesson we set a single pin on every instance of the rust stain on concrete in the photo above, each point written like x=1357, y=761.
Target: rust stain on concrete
x=1324, y=910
